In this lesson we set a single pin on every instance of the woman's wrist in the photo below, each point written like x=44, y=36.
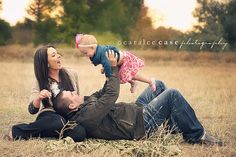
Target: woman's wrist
x=32, y=109
x=36, y=102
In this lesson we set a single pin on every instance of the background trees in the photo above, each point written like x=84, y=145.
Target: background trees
x=44, y=14
x=5, y=30
x=216, y=21
x=98, y=15
x=58, y=21
x=229, y=24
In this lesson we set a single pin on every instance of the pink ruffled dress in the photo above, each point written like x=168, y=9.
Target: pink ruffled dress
x=130, y=66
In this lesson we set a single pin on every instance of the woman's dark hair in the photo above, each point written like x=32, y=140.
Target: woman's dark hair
x=42, y=73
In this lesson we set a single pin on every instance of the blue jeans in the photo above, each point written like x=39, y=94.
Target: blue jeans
x=168, y=104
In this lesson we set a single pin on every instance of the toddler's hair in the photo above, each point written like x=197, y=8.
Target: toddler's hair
x=88, y=40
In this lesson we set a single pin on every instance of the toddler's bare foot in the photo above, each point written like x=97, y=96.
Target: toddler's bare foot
x=153, y=84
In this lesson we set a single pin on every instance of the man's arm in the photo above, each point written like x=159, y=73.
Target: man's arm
x=99, y=93
x=108, y=72
x=96, y=112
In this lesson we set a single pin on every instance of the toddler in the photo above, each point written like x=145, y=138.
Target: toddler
x=128, y=63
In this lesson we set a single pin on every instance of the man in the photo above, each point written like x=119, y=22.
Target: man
x=103, y=118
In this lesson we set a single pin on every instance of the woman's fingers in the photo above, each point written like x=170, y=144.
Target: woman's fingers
x=45, y=94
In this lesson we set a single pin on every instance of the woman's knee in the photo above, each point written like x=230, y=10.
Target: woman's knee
x=17, y=133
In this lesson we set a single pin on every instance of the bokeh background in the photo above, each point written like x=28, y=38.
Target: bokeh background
x=58, y=21
x=188, y=44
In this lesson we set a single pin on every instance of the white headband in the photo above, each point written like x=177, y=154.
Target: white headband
x=87, y=45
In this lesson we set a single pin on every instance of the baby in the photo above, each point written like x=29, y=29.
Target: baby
x=128, y=64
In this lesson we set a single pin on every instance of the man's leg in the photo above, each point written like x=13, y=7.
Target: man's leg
x=148, y=95
x=170, y=104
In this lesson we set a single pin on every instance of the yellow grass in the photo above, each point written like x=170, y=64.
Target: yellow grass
x=210, y=88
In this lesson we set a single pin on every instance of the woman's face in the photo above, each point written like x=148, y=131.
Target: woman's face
x=54, y=59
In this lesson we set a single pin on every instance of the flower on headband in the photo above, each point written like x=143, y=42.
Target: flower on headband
x=77, y=39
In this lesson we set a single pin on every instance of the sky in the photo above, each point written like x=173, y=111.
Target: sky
x=168, y=13
x=14, y=10
x=172, y=13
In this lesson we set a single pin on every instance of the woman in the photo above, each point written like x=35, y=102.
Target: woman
x=51, y=77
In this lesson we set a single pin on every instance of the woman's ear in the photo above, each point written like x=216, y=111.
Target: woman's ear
x=72, y=106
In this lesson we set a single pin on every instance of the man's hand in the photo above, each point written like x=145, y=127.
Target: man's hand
x=112, y=58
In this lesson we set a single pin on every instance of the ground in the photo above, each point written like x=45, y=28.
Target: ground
x=209, y=87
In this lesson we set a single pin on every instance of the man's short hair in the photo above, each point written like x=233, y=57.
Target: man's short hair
x=61, y=105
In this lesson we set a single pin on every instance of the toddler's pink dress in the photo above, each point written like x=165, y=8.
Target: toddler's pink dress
x=130, y=66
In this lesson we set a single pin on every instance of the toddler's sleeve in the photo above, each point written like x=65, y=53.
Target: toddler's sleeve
x=107, y=67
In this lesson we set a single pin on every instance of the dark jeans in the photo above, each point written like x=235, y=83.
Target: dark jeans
x=47, y=125
x=168, y=104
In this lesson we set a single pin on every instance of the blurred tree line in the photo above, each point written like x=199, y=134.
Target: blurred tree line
x=5, y=30
x=121, y=22
x=217, y=21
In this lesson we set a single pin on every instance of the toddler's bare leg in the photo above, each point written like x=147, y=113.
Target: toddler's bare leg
x=142, y=79
x=150, y=81
x=133, y=85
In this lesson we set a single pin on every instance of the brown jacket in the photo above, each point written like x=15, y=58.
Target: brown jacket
x=104, y=119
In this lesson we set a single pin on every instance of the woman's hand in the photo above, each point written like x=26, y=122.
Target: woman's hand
x=43, y=94
x=112, y=58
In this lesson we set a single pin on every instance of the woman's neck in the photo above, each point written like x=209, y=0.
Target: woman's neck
x=54, y=74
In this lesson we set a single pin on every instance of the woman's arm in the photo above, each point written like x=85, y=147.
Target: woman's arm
x=36, y=98
x=34, y=102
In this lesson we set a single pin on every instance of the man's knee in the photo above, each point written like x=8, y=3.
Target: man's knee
x=160, y=84
x=173, y=92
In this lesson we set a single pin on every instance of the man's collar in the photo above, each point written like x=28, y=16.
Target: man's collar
x=71, y=114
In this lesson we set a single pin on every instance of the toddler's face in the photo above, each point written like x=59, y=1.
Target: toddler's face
x=87, y=51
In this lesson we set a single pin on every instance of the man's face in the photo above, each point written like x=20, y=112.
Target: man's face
x=74, y=97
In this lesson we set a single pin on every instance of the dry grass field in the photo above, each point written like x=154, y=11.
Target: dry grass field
x=209, y=85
